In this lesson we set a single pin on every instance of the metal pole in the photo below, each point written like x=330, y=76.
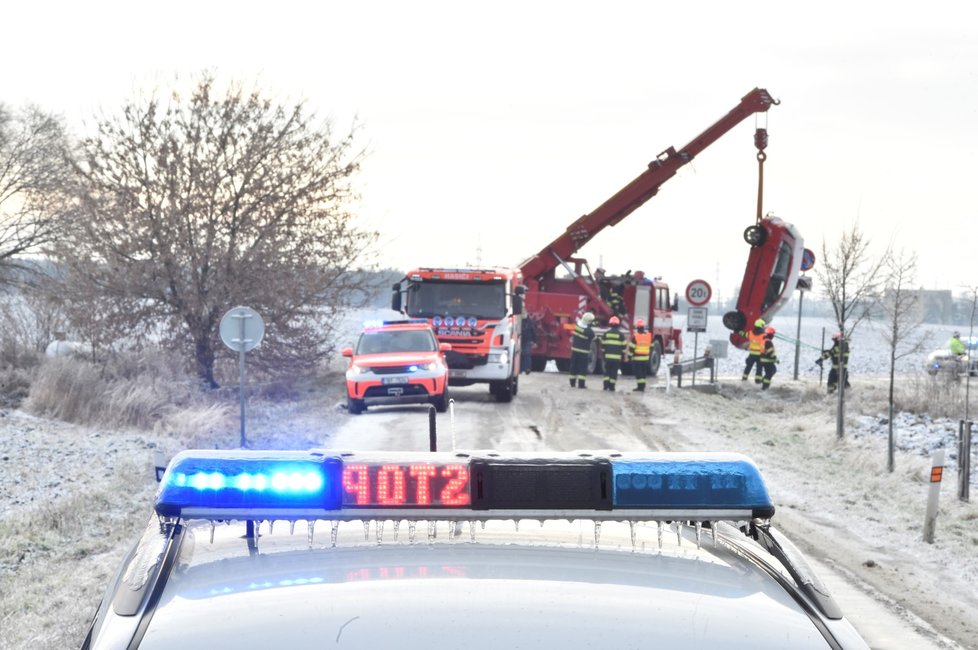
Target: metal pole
x=696, y=345
x=241, y=379
x=432, y=437
x=801, y=299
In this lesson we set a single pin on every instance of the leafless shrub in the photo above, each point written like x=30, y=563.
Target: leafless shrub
x=940, y=395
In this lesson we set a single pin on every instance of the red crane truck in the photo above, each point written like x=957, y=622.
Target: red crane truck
x=555, y=303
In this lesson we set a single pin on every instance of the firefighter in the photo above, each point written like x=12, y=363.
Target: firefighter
x=613, y=343
x=581, y=349
x=839, y=353
x=639, y=348
x=769, y=358
x=616, y=301
x=755, y=345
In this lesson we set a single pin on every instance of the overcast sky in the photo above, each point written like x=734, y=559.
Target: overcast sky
x=492, y=126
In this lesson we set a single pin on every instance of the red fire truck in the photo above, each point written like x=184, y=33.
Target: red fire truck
x=556, y=303
x=479, y=312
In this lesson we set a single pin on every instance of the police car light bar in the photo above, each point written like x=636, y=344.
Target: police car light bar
x=317, y=484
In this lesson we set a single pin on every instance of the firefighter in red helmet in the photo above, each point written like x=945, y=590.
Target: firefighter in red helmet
x=769, y=358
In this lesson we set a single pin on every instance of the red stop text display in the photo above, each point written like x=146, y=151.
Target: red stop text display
x=393, y=485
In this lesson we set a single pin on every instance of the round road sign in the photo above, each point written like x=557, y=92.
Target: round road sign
x=242, y=329
x=698, y=293
x=807, y=260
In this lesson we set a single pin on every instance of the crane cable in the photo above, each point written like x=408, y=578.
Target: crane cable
x=760, y=141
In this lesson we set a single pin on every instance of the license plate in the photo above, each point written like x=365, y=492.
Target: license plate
x=456, y=373
x=392, y=380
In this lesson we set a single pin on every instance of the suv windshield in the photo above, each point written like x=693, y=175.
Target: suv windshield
x=396, y=341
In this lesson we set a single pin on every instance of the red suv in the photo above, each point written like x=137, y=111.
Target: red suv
x=773, y=267
x=397, y=362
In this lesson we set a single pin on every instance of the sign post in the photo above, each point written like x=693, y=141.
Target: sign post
x=804, y=284
x=698, y=294
x=242, y=329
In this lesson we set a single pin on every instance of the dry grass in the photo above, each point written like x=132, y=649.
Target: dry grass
x=60, y=556
x=145, y=392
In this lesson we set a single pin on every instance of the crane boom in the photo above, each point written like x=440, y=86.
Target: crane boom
x=641, y=189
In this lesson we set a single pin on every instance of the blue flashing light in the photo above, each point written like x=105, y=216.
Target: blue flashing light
x=690, y=481
x=215, y=481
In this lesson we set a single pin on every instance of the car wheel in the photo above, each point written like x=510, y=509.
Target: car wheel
x=355, y=406
x=594, y=366
x=655, y=358
x=755, y=235
x=502, y=390
x=734, y=321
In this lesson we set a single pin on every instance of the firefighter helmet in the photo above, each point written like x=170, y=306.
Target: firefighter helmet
x=587, y=317
x=639, y=323
x=759, y=323
x=770, y=331
x=837, y=336
x=614, y=320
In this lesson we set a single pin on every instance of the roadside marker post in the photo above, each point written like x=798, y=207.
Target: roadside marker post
x=936, y=473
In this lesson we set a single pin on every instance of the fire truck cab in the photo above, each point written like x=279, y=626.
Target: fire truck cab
x=477, y=311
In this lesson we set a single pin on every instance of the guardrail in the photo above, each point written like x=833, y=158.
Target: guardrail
x=683, y=368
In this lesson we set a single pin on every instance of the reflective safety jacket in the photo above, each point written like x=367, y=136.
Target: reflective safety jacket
x=640, y=345
x=768, y=354
x=755, y=341
x=956, y=346
x=581, y=339
x=614, y=343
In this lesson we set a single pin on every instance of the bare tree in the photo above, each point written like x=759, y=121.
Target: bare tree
x=196, y=204
x=33, y=169
x=851, y=280
x=903, y=317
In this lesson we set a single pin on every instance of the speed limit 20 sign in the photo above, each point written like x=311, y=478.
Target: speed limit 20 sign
x=698, y=293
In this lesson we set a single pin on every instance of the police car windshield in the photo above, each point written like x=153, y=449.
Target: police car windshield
x=478, y=299
x=396, y=341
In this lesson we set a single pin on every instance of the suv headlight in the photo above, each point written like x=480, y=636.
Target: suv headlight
x=358, y=369
x=499, y=357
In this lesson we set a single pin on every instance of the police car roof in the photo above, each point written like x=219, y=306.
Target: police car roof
x=498, y=591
